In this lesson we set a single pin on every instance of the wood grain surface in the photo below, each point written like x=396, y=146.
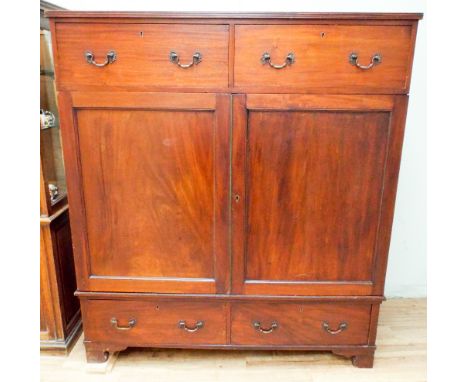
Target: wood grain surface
x=142, y=55
x=291, y=153
x=322, y=57
x=151, y=181
x=299, y=324
x=156, y=322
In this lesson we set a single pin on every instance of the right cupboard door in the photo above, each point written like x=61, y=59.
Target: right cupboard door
x=314, y=181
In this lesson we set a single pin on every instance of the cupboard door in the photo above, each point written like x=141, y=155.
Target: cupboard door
x=314, y=182
x=149, y=178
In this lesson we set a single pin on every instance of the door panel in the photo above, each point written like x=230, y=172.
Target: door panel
x=148, y=181
x=310, y=193
x=154, y=179
x=314, y=183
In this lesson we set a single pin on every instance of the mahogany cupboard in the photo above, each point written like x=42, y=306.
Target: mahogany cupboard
x=232, y=177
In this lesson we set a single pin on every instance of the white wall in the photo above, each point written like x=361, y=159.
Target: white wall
x=406, y=275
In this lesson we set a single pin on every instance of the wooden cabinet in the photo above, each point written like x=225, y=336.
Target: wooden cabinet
x=60, y=319
x=232, y=177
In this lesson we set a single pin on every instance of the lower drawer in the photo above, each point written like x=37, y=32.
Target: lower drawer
x=300, y=324
x=141, y=323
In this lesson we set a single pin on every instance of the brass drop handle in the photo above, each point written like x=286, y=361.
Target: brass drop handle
x=196, y=59
x=115, y=323
x=258, y=326
x=198, y=326
x=290, y=59
x=342, y=326
x=375, y=59
x=111, y=57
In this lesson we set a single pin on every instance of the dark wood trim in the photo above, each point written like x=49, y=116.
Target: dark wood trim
x=390, y=183
x=238, y=210
x=228, y=321
x=55, y=215
x=231, y=54
x=226, y=297
x=221, y=219
x=308, y=288
x=214, y=21
x=318, y=102
x=374, y=318
x=414, y=31
x=333, y=348
x=238, y=15
x=66, y=345
x=153, y=101
x=72, y=166
x=233, y=90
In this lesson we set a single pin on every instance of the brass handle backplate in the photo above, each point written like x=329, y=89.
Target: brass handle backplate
x=375, y=59
x=115, y=323
x=258, y=326
x=196, y=59
x=290, y=59
x=198, y=326
x=342, y=326
x=111, y=56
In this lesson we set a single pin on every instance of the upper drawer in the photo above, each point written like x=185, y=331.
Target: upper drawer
x=322, y=57
x=142, y=55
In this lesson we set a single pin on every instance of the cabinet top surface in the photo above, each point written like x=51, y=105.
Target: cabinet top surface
x=236, y=15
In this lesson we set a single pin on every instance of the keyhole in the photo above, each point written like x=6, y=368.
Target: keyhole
x=141, y=34
x=322, y=34
x=237, y=198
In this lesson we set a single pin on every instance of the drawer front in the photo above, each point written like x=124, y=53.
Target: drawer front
x=322, y=57
x=142, y=54
x=300, y=324
x=139, y=323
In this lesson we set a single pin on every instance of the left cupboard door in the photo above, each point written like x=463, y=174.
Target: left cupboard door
x=148, y=178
